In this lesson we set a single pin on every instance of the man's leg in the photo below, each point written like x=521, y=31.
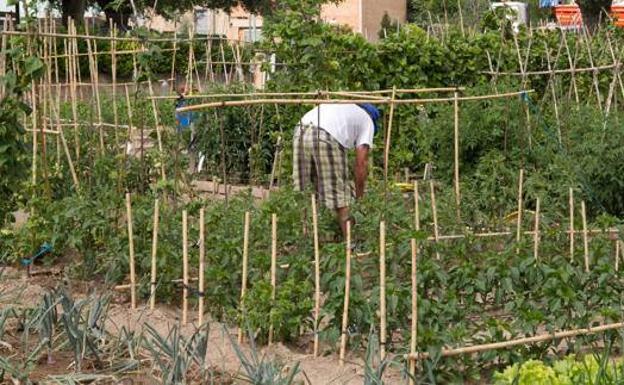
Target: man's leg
x=342, y=215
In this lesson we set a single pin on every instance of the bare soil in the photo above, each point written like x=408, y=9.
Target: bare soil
x=19, y=290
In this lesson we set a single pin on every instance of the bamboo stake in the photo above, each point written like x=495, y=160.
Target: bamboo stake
x=388, y=140
x=617, y=255
x=456, y=153
x=94, y=86
x=131, y=249
x=520, y=205
x=416, y=207
x=114, y=80
x=34, y=133
x=572, y=67
x=154, y=252
x=345, y=310
x=434, y=212
x=317, y=277
x=245, y=262
x=202, y=266
x=571, y=225
x=414, y=339
x=273, y=269
x=185, y=280
x=173, y=59
x=520, y=341
x=536, y=235
x=315, y=93
x=59, y=128
x=585, y=240
x=553, y=92
x=73, y=96
x=591, y=63
x=382, y=289
x=231, y=103
x=158, y=134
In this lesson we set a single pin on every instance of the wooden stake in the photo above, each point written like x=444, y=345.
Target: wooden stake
x=131, y=250
x=414, y=340
x=345, y=310
x=244, y=277
x=317, y=277
x=416, y=207
x=536, y=234
x=571, y=225
x=202, y=266
x=382, y=290
x=185, y=280
x=434, y=212
x=520, y=205
x=154, y=252
x=273, y=268
x=585, y=239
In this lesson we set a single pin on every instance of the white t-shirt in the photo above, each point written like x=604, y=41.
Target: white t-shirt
x=349, y=124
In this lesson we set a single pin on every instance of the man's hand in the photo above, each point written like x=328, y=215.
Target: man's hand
x=361, y=169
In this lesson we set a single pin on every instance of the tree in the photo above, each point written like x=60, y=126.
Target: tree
x=387, y=26
x=121, y=10
x=592, y=11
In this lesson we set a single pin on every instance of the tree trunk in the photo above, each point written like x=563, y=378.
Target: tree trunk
x=119, y=14
x=594, y=11
x=74, y=9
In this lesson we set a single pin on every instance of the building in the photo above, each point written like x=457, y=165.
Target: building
x=362, y=16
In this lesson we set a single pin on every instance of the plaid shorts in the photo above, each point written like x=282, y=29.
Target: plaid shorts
x=320, y=160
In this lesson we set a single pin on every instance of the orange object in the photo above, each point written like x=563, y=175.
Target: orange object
x=569, y=15
x=617, y=13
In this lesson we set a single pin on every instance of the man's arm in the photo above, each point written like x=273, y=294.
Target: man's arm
x=361, y=169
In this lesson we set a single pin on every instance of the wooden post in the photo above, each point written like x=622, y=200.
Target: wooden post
x=382, y=289
x=536, y=234
x=185, y=278
x=202, y=267
x=345, y=310
x=456, y=154
x=414, y=341
x=273, y=269
x=317, y=277
x=434, y=212
x=520, y=204
x=131, y=250
x=416, y=207
x=244, y=277
x=154, y=251
x=571, y=225
x=585, y=239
